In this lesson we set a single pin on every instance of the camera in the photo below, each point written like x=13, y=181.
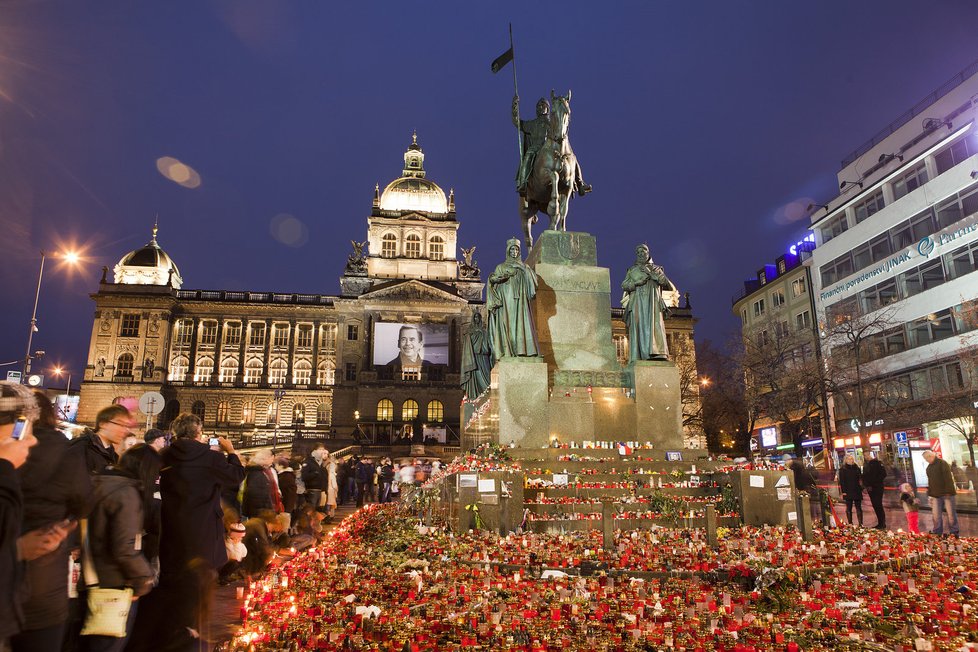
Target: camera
x=213, y=441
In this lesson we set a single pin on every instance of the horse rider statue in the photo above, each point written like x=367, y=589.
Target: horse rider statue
x=549, y=172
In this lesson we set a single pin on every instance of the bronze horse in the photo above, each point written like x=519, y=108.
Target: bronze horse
x=551, y=181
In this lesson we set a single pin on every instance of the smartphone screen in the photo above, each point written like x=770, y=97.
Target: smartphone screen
x=214, y=442
x=19, y=426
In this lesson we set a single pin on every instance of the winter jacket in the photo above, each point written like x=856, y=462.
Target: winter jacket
x=940, y=479
x=56, y=485
x=387, y=473
x=259, y=544
x=365, y=472
x=97, y=456
x=11, y=514
x=909, y=502
x=804, y=479
x=115, y=527
x=849, y=481
x=287, y=487
x=257, y=493
x=874, y=475
x=314, y=475
x=192, y=521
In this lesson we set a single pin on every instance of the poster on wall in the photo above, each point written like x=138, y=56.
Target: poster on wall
x=66, y=407
x=435, y=435
x=410, y=346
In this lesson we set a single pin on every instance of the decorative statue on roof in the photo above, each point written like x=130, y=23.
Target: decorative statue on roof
x=645, y=307
x=469, y=268
x=356, y=263
x=549, y=172
x=512, y=286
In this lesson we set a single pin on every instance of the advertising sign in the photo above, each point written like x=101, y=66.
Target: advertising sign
x=410, y=345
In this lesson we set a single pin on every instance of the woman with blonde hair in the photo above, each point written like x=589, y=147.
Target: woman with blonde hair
x=332, y=486
x=850, y=484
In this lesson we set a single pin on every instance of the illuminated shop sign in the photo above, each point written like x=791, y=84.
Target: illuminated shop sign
x=927, y=246
x=769, y=437
x=805, y=244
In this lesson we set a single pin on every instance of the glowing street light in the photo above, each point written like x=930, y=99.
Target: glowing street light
x=704, y=382
x=71, y=258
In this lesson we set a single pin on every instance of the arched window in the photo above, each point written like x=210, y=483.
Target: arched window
x=203, y=369
x=223, y=412
x=276, y=370
x=229, y=369
x=326, y=374
x=385, y=410
x=198, y=409
x=178, y=367
x=409, y=410
x=298, y=414
x=253, y=369
x=248, y=412
x=302, y=372
x=388, y=246
x=436, y=248
x=124, y=366
x=412, y=246
x=436, y=411
x=271, y=413
x=322, y=413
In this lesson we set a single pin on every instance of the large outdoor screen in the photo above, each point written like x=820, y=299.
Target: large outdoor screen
x=410, y=345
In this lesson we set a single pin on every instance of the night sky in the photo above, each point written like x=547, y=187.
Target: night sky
x=704, y=127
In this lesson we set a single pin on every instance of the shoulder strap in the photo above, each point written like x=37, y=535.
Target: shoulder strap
x=88, y=563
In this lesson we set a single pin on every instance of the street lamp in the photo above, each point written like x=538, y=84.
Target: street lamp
x=70, y=257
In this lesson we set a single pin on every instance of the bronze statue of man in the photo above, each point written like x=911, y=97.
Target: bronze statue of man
x=645, y=307
x=534, y=134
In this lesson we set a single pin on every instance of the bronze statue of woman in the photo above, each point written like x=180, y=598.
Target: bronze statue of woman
x=512, y=286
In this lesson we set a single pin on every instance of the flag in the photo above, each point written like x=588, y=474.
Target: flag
x=502, y=60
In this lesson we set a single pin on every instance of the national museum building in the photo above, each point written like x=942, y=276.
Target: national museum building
x=265, y=367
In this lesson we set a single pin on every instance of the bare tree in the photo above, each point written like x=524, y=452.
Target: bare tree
x=783, y=377
x=852, y=348
x=725, y=414
x=683, y=354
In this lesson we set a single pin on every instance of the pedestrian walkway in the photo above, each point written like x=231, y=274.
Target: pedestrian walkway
x=226, y=610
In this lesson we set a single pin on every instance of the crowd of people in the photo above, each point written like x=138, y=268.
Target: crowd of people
x=161, y=519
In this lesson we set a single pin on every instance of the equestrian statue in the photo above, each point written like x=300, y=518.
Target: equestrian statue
x=549, y=172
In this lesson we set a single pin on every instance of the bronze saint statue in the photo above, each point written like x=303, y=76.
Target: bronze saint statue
x=645, y=308
x=476, y=359
x=512, y=286
x=549, y=172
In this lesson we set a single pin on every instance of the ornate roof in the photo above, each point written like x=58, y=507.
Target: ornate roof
x=148, y=265
x=412, y=191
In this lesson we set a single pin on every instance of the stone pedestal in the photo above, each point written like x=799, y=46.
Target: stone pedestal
x=523, y=394
x=659, y=414
x=573, y=303
x=766, y=497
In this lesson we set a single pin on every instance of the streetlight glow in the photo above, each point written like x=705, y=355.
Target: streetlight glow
x=71, y=257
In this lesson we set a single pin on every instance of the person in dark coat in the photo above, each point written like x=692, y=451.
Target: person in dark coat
x=256, y=495
x=287, y=487
x=112, y=424
x=314, y=476
x=942, y=493
x=56, y=487
x=15, y=401
x=874, y=476
x=365, y=477
x=850, y=484
x=259, y=539
x=192, y=538
x=115, y=527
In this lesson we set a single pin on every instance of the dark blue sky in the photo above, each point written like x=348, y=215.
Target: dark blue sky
x=698, y=123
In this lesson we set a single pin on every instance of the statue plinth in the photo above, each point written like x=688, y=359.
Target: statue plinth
x=576, y=390
x=573, y=303
x=657, y=388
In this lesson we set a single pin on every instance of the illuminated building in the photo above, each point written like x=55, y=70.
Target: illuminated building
x=899, y=247
x=241, y=359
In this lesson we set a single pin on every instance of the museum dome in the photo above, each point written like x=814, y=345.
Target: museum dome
x=148, y=265
x=412, y=191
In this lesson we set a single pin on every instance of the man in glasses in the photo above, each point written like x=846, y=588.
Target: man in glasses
x=112, y=425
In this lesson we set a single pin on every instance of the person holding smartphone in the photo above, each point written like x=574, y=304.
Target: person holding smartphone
x=192, y=536
x=55, y=487
x=17, y=411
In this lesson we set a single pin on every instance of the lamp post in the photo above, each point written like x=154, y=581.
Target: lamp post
x=69, y=257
